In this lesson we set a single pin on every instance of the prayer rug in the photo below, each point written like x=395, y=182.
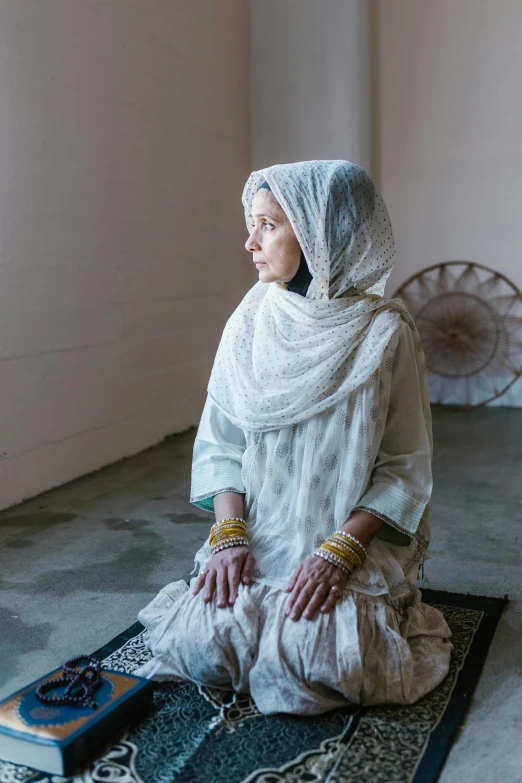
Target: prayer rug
x=199, y=735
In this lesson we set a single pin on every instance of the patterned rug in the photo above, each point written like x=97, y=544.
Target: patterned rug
x=197, y=735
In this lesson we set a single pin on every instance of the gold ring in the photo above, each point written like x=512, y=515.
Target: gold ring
x=204, y=573
x=334, y=587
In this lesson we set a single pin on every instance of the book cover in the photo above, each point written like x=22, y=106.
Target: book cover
x=61, y=739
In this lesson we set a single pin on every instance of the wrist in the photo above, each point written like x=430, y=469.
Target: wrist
x=363, y=525
x=229, y=504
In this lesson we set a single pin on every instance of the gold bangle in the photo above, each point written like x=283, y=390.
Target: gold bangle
x=348, y=561
x=220, y=530
x=346, y=542
x=352, y=539
x=237, y=531
x=229, y=543
x=226, y=537
x=216, y=539
x=347, y=547
x=343, y=552
x=226, y=540
x=230, y=526
x=234, y=539
x=344, y=548
x=222, y=525
x=350, y=553
x=230, y=523
x=229, y=519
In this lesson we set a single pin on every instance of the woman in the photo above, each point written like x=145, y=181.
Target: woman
x=314, y=453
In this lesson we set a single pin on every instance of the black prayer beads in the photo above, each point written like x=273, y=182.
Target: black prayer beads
x=81, y=682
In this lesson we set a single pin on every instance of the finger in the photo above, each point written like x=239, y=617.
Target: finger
x=294, y=578
x=210, y=583
x=248, y=568
x=296, y=592
x=221, y=588
x=200, y=581
x=302, y=601
x=331, y=601
x=321, y=591
x=233, y=581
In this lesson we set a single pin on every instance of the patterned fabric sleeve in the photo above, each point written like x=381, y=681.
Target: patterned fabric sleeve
x=217, y=458
x=401, y=481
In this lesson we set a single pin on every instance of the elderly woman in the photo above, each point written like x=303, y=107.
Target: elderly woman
x=314, y=453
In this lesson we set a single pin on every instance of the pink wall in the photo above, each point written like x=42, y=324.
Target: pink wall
x=451, y=131
x=124, y=146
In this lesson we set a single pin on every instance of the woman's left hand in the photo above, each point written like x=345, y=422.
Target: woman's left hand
x=315, y=584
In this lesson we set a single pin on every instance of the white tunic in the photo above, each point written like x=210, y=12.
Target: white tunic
x=380, y=644
x=291, y=510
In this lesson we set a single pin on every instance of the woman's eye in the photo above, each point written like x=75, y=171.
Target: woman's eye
x=268, y=226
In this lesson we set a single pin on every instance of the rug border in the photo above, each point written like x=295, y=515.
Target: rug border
x=118, y=641
x=444, y=735
x=488, y=604
x=442, y=738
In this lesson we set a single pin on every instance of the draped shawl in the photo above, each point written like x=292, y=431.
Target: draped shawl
x=283, y=357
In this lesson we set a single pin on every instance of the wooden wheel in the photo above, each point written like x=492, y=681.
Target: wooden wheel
x=470, y=321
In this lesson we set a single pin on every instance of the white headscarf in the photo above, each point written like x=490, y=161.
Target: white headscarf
x=283, y=357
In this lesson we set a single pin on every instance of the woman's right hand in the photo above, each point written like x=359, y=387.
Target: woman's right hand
x=222, y=575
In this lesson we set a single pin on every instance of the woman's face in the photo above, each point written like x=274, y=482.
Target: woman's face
x=273, y=244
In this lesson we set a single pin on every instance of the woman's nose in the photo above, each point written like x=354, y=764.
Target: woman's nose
x=252, y=244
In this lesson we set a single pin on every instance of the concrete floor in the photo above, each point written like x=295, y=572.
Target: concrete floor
x=77, y=563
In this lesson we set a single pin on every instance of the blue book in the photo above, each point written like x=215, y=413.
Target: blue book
x=62, y=740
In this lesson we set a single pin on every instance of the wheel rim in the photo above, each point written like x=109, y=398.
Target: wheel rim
x=469, y=318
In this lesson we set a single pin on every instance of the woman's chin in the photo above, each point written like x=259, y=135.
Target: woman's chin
x=265, y=275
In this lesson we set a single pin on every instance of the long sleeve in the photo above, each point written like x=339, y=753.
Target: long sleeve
x=217, y=458
x=401, y=480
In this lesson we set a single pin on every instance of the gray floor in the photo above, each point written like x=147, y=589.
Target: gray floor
x=79, y=562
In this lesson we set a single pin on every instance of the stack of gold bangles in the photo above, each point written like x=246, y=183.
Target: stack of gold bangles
x=227, y=532
x=342, y=550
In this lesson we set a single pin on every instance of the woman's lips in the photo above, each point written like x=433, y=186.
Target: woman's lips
x=260, y=263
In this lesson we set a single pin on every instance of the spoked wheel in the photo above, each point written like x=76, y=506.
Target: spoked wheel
x=470, y=321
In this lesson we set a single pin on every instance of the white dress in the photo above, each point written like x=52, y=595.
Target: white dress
x=380, y=644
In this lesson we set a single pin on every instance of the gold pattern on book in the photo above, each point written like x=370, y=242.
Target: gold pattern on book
x=10, y=717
